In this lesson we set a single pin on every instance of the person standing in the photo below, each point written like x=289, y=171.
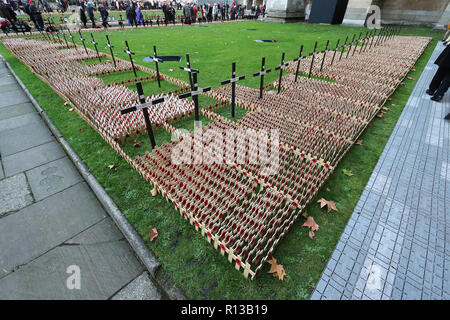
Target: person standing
x=194, y=14
x=128, y=14
x=83, y=17
x=36, y=13
x=139, y=18
x=90, y=12
x=441, y=80
x=187, y=14
x=104, y=14
x=7, y=12
x=214, y=11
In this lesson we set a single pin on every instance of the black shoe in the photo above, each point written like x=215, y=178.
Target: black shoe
x=437, y=97
x=447, y=117
x=429, y=92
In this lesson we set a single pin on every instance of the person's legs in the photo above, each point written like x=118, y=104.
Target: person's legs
x=443, y=87
x=436, y=81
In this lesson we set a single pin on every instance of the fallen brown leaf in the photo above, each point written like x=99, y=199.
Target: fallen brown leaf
x=111, y=166
x=312, y=225
x=359, y=142
x=330, y=204
x=276, y=269
x=153, y=233
x=323, y=202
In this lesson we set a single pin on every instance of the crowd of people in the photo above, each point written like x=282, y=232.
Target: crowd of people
x=9, y=20
x=133, y=12
x=212, y=12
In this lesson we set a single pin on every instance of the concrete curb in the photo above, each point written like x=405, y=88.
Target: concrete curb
x=133, y=238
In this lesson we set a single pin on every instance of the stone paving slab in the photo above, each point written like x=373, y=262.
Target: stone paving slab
x=14, y=194
x=41, y=226
x=19, y=121
x=104, y=231
x=33, y=157
x=20, y=139
x=16, y=110
x=6, y=80
x=13, y=97
x=394, y=245
x=8, y=87
x=140, y=288
x=52, y=177
x=105, y=264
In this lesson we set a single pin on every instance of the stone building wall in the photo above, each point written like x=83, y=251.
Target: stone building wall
x=431, y=13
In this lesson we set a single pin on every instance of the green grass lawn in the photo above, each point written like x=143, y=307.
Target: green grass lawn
x=196, y=268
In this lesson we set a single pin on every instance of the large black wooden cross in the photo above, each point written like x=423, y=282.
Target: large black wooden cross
x=282, y=66
x=324, y=54
x=312, y=54
x=261, y=74
x=356, y=44
x=111, y=47
x=82, y=40
x=343, y=47
x=95, y=46
x=59, y=39
x=351, y=44
x=233, y=81
x=373, y=37
x=157, y=60
x=143, y=106
x=130, y=54
x=367, y=40
x=364, y=42
x=195, y=91
x=71, y=37
x=65, y=40
x=298, y=60
x=189, y=70
x=335, y=50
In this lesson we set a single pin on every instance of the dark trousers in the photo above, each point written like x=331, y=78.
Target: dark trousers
x=441, y=81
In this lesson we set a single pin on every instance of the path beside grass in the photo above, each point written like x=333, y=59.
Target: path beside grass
x=51, y=221
x=395, y=245
x=196, y=268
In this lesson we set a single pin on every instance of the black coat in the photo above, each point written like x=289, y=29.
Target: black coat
x=444, y=58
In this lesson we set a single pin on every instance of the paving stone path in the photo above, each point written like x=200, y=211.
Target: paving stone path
x=50, y=219
x=396, y=243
